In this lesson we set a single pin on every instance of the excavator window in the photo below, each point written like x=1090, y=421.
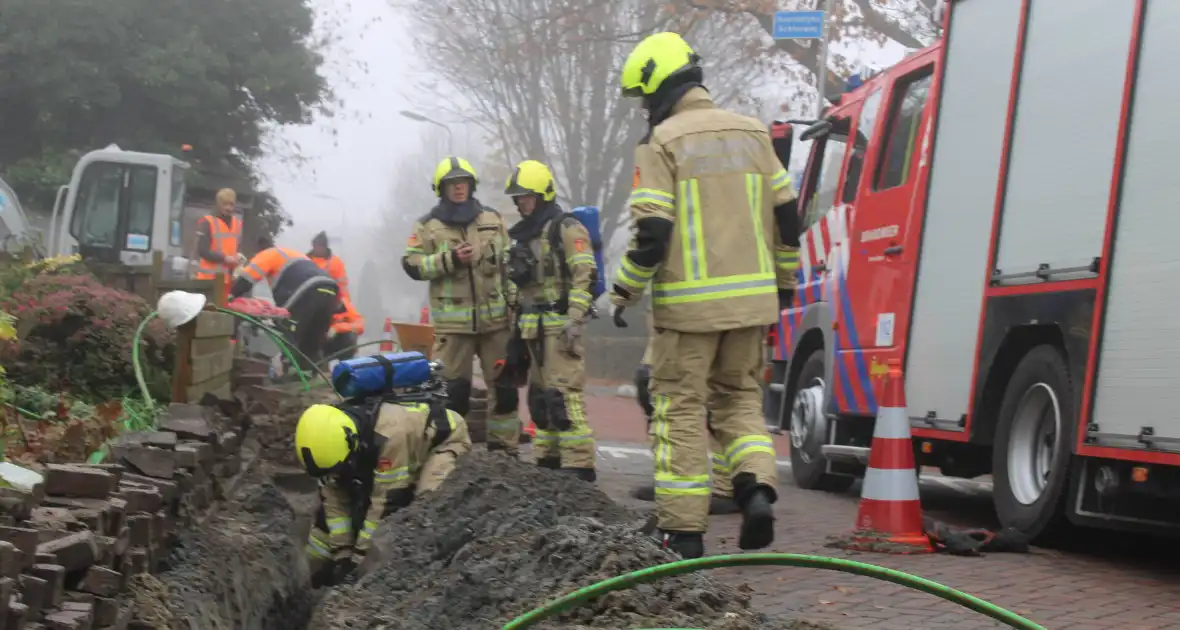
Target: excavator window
x=114, y=209
x=95, y=223
x=141, y=208
x=176, y=210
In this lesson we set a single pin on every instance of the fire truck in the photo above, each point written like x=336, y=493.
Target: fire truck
x=994, y=215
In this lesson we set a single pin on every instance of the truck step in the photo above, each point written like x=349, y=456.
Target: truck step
x=837, y=452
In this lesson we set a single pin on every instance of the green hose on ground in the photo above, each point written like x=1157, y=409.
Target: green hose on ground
x=281, y=342
x=651, y=574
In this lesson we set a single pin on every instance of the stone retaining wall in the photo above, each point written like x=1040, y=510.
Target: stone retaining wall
x=69, y=549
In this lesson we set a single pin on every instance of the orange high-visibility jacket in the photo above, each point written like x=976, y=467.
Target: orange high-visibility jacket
x=216, y=235
x=335, y=268
x=290, y=274
x=349, y=321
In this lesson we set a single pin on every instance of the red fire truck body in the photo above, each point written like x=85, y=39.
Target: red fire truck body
x=992, y=214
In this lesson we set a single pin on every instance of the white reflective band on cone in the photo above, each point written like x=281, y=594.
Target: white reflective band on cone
x=892, y=424
x=890, y=485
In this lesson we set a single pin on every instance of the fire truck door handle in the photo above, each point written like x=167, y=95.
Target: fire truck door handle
x=893, y=251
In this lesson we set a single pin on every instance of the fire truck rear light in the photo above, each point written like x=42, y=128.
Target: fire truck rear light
x=927, y=448
x=1139, y=474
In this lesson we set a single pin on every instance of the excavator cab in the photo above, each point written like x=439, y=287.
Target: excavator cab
x=121, y=206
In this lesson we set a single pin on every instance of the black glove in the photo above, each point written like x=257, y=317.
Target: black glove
x=618, y=317
x=342, y=568
x=786, y=297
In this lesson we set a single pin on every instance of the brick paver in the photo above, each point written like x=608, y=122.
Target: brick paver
x=1097, y=587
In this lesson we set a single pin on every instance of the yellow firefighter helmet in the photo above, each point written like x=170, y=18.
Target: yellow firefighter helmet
x=531, y=177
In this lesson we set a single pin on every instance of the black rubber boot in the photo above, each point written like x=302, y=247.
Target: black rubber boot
x=756, y=501
x=549, y=462
x=688, y=544
x=585, y=474
x=644, y=493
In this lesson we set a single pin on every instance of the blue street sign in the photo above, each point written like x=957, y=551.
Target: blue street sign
x=798, y=25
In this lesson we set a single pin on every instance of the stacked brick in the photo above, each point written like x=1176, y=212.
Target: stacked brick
x=68, y=548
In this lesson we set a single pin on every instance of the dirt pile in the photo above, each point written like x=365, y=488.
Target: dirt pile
x=240, y=569
x=502, y=537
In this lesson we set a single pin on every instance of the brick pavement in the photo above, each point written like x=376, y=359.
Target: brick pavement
x=1109, y=584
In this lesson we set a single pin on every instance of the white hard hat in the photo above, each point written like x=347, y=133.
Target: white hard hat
x=178, y=308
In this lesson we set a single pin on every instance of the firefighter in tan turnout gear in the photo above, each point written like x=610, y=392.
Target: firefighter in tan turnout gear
x=709, y=194
x=552, y=265
x=372, y=459
x=460, y=247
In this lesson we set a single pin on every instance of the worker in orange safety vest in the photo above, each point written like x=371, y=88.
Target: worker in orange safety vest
x=218, y=235
x=308, y=293
x=322, y=256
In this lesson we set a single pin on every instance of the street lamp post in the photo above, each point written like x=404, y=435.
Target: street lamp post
x=420, y=118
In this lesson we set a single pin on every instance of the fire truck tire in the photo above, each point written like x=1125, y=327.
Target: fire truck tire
x=808, y=464
x=1032, y=449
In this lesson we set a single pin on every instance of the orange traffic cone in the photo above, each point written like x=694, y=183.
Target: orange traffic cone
x=387, y=343
x=890, y=515
x=425, y=319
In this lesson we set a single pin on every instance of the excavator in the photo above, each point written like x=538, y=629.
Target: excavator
x=118, y=208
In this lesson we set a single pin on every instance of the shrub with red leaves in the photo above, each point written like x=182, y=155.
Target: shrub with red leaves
x=75, y=334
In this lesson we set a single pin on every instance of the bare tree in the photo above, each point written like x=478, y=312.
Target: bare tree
x=909, y=23
x=540, y=77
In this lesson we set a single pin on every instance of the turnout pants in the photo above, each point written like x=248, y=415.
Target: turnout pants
x=556, y=381
x=311, y=317
x=457, y=352
x=722, y=480
x=692, y=372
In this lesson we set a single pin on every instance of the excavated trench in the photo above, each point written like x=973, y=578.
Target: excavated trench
x=499, y=538
x=240, y=569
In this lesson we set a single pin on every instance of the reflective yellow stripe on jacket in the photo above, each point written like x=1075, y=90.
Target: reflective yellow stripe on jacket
x=698, y=285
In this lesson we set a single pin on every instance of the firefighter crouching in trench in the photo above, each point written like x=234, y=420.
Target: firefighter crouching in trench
x=552, y=266
x=460, y=248
x=708, y=195
x=371, y=459
x=298, y=285
x=721, y=500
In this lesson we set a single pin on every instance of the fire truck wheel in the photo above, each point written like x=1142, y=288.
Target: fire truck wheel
x=1031, y=453
x=808, y=428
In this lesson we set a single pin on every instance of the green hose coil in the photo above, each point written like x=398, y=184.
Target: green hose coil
x=651, y=574
x=287, y=349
